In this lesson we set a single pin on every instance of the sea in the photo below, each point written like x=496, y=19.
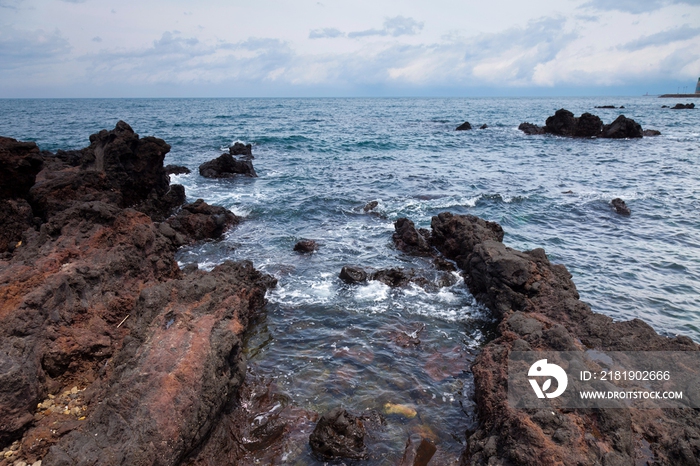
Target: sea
x=323, y=343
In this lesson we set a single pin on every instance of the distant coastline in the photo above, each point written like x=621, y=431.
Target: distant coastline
x=684, y=96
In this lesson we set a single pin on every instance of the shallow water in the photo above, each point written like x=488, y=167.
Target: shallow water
x=320, y=160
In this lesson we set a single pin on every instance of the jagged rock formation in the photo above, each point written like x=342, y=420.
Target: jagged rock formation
x=539, y=308
x=91, y=297
x=563, y=123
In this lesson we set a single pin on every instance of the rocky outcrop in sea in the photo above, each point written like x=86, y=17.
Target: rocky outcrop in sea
x=94, y=308
x=564, y=123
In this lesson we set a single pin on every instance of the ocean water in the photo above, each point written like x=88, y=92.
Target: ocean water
x=324, y=343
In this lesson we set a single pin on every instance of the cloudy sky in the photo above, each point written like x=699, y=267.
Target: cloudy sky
x=105, y=48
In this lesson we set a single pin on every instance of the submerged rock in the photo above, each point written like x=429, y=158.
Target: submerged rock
x=484, y=126
x=225, y=166
x=339, y=434
x=464, y=126
x=418, y=455
x=651, y=133
x=606, y=106
x=306, y=246
x=370, y=206
x=620, y=206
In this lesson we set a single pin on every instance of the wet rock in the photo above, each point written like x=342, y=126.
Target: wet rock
x=200, y=221
x=418, y=455
x=605, y=106
x=529, y=128
x=622, y=127
x=689, y=106
x=562, y=123
x=339, y=434
x=620, y=206
x=352, y=275
x=651, y=133
x=225, y=166
x=370, y=206
x=410, y=240
x=464, y=126
x=456, y=235
x=20, y=162
x=587, y=126
x=177, y=170
x=306, y=246
x=394, y=277
x=484, y=126
x=245, y=151
x=539, y=308
x=664, y=106
x=402, y=410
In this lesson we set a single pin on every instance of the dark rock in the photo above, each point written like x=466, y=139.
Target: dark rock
x=622, y=127
x=370, y=206
x=339, y=434
x=243, y=150
x=418, y=455
x=456, y=235
x=306, y=246
x=15, y=217
x=651, y=133
x=177, y=170
x=622, y=106
x=20, y=162
x=664, y=106
x=605, y=106
x=410, y=240
x=225, y=166
x=464, y=126
x=539, y=308
x=200, y=221
x=689, y=106
x=587, y=126
x=562, y=123
x=620, y=206
x=529, y=128
x=353, y=275
x=484, y=126
x=395, y=277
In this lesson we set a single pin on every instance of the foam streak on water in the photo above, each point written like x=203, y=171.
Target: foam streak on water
x=320, y=160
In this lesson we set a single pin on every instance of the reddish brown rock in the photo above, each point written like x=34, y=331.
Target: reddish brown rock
x=539, y=308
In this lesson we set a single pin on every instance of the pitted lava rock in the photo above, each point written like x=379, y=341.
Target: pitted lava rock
x=339, y=434
x=411, y=240
x=245, y=151
x=539, y=308
x=306, y=246
x=226, y=166
x=351, y=275
x=91, y=296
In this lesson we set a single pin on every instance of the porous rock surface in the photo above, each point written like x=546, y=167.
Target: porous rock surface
x=538, y=308
x=91, y=297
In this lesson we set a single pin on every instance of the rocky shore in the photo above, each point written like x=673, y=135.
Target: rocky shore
x=538, y=308
x=111, y=354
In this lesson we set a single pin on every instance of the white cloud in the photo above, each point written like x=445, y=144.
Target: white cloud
x=396, y=26
x=325, y=33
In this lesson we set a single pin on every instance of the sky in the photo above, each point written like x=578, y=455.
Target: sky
x=326, y=48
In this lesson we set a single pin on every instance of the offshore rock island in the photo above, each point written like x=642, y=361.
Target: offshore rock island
x=113, y=355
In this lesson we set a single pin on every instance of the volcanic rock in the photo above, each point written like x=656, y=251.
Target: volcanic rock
x=539, y=308
x=605, y=106
x=306, y=246
x=587, y=126
x=371, y=205
x=562, y=123
x=177, y=170
x=352, y=275
x=689, y=106
x=19, y=164
x=622, y=127
x=651, y=133
x=410, y=240
x=464, y=126
x=529, y=128
x=200, y=221
x=484, y=126
x=394, y=277
x=225, y=166
x=245, y=151
x=339, y=434
x=620, y=206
